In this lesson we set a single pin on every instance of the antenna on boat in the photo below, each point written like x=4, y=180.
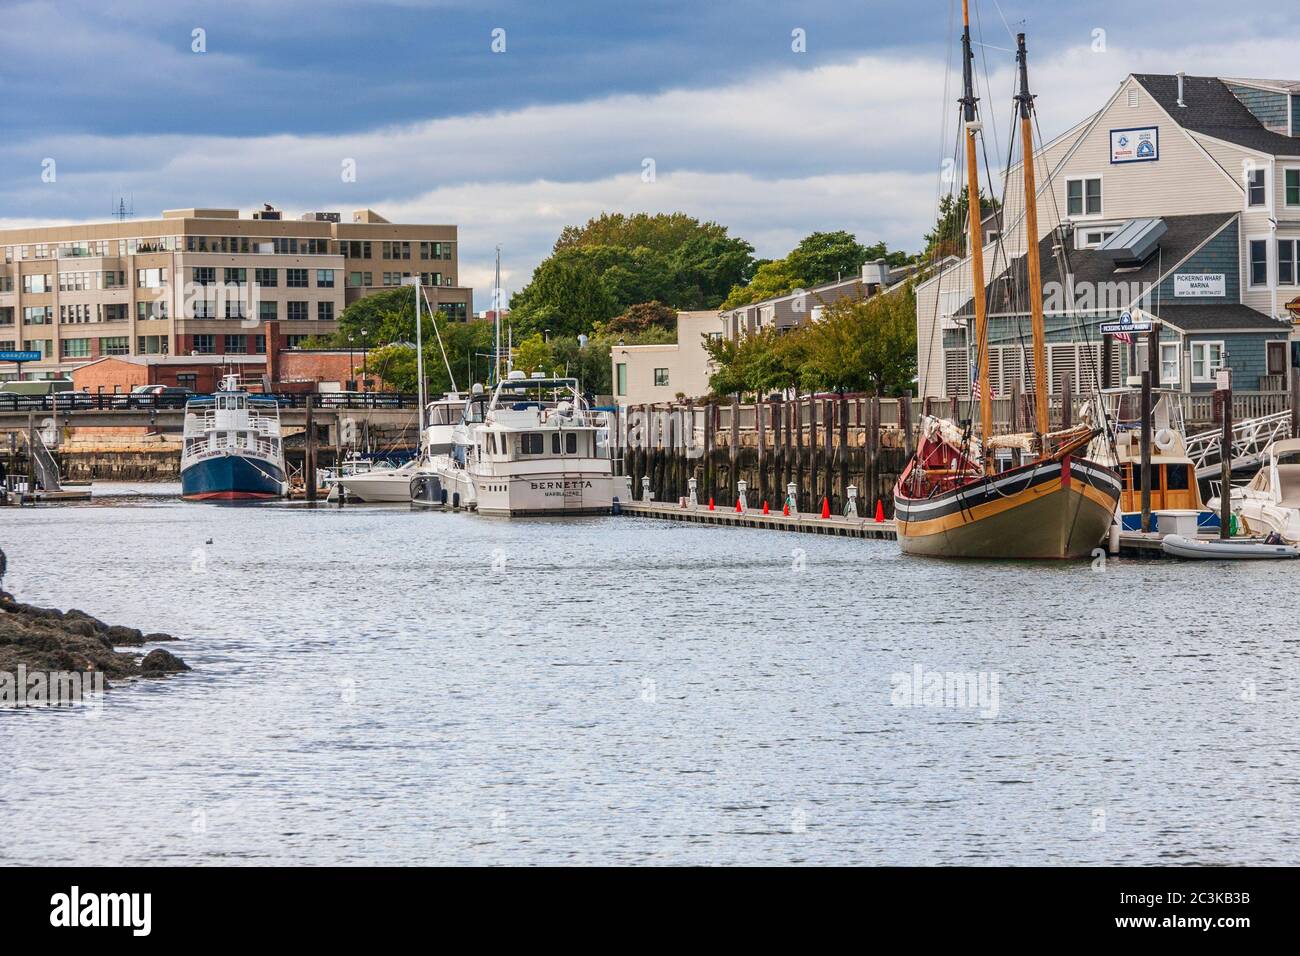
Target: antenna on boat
x=415, y=280
x=1035, y=291
x=974, y=208
x=496, y=320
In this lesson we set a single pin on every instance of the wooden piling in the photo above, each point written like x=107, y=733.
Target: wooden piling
x=309, y=451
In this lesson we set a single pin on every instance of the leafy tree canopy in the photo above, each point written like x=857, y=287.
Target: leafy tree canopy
x=866, y=345
x=948, y=237
x=615, y=261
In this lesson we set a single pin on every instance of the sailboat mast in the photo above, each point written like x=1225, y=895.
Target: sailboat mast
x=496, y=321
x=419, y=358
x=973, y=210
x=1035, y=290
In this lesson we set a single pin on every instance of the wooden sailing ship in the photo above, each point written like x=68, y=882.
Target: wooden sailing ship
x=1052, y=502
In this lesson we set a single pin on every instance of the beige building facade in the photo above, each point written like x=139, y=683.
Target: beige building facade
x=206, y=282
x=1163, y=147
x=646, y=374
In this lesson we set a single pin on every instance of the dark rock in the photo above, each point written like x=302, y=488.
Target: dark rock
x=125, y=636
x=46, y=639
x=82, y=627
x=158, y=663
x=157, y=637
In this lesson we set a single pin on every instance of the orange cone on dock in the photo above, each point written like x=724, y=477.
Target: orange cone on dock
x=764, y=507
x=739, y=508
x=785, y=510
x=826, y=508
x=711, y=508
x=880, y=511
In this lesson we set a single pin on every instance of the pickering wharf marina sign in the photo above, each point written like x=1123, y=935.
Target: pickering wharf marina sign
x=1139, y=144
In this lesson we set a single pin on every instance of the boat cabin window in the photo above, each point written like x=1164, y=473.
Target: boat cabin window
x=443, y=415
x=1175, y=477
x=555, y=443
x=475, y=411
x=571, y=443
x=530, y=443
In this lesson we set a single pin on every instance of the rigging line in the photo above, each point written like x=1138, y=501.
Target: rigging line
x=936, y=333
x=936, y=337
x=1090, y=361
x=988, y=87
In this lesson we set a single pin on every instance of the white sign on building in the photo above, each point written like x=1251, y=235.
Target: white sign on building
x=1138, y=145
x=1196, y=284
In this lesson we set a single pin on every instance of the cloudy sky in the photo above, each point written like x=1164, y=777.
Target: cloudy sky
x=585, y=100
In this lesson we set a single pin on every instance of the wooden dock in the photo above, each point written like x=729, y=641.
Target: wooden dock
x=754, y=518
x=1131, y=543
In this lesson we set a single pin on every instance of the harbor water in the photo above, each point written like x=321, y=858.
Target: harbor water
x=376, y=685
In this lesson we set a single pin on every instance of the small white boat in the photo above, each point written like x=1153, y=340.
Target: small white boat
x=1226, y=549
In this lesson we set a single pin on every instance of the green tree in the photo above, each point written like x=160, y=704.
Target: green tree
x=948, y=237
x=639, y=318
x=565, y=296
x=534, y=354
x=863, y=345
x=824, y=257
x=772, y=279
x=667, y=257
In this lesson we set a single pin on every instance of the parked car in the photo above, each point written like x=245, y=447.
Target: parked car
x=159, y=396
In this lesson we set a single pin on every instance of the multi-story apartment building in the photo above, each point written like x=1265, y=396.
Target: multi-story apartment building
x=206, y=282
x=1180, y=198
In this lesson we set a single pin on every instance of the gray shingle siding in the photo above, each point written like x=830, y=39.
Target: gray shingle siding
x=1220, y=254
x=1268, y=107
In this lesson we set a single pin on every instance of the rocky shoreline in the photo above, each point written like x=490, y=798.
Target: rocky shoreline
x=47, y=639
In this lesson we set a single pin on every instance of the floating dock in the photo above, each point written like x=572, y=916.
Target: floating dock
x=1131, y=543
x=754, y=518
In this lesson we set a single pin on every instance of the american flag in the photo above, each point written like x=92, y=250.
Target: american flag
x=1124, y=337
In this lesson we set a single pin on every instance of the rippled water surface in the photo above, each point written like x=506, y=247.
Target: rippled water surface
x=373, y=685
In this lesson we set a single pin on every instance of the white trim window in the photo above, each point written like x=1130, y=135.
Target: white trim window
x=1256, y=187
x=1170, y=363
x=1287, y=273
x=1257, y=262
x=1091, y=238
x=1291, y=187
x=1207, y=358
x=1083, y=197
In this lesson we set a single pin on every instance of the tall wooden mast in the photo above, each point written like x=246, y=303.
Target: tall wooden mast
x=973, y=210
x=1035, y=290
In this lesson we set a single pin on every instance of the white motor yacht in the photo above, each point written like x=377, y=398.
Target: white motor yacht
x=1271, y=502
x=540, y=451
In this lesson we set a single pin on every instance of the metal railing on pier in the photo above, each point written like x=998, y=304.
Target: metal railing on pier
x=129, y=401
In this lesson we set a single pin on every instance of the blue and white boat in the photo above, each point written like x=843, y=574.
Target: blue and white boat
x=233, y=448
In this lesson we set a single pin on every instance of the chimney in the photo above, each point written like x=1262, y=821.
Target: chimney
x=875, y=273
x=1181, y=77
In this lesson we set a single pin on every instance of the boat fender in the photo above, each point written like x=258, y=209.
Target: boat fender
x=1164, y=439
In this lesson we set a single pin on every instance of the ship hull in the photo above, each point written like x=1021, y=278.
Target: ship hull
x=232, y=478
x=1060, y=509
x=544, y=495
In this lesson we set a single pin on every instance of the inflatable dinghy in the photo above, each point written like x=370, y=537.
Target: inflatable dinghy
x=1232, y=549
